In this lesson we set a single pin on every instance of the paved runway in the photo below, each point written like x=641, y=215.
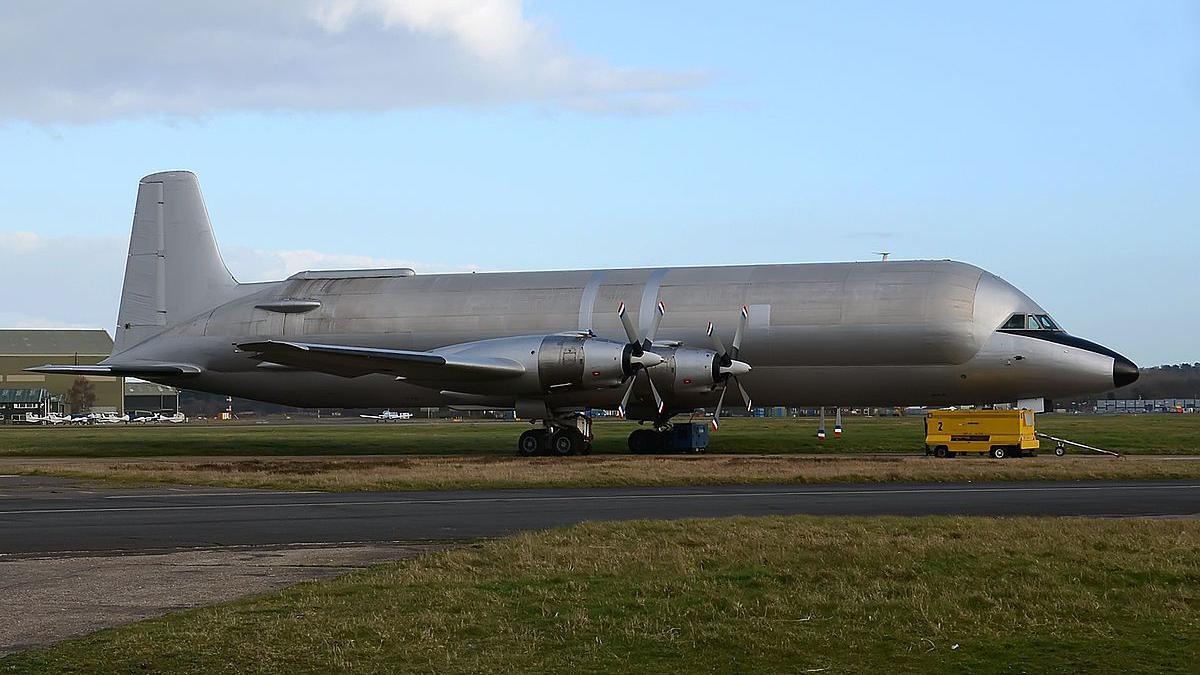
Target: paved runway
x=44, y=515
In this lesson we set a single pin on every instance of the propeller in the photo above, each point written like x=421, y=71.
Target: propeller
x=727, y=366
x=640, y=356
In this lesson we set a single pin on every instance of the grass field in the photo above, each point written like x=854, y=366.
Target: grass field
x=473, y=472
x=796, y=594
x=1141, y=434
x=478, y=455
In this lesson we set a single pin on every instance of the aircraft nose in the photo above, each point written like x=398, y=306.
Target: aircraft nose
x=1124, y=371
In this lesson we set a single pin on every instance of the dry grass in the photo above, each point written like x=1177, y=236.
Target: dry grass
x=441, y=473
x=769, y=595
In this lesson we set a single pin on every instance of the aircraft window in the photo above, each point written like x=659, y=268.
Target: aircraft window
x=1016, y=321
x=1031, y=322
x=1047, y=322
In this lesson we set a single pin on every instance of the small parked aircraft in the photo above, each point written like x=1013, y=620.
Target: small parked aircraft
x=388, y=415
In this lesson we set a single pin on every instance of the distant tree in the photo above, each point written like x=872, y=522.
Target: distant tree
x=80, y=397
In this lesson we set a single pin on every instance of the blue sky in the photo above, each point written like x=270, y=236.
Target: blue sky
x=1055, y=144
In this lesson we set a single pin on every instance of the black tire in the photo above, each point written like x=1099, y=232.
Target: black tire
x=530, y=443
x=565, y=442
x=999, y=452
x=643, y=441
x=941, y=452
x=586, y=448
x=1060, y=450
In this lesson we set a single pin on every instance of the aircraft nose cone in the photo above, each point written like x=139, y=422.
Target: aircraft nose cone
x=1124, y=371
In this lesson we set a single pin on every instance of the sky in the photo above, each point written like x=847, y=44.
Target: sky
x=1054, y=144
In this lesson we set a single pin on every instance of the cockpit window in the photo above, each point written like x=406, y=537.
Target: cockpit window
x=1030, y=322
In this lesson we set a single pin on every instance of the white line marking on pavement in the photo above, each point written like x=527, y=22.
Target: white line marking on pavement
x=568, y=498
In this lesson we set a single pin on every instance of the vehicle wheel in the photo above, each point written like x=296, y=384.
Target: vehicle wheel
x=941, y=452
x=641, y=441
x=1060, y=450
x=565, y=443
x=586, y=447
x=999, y=452
x=530, y=443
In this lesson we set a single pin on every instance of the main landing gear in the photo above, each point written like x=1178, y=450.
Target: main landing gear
x=557, y=439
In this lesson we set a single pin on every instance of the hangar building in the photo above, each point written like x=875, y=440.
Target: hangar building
x=150, y=397
x=24, y=348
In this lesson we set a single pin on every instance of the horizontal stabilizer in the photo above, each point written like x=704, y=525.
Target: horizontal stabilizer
x=119, y=370
x=355, y=361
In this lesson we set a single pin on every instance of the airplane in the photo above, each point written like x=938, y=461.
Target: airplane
x=108, y=418
x=388, y=415
x=550, y=345
x=143, y=417
x=56, y=419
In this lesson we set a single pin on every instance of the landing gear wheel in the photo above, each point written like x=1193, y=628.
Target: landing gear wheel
x=565, y=443
x=999, y=452
x=1060, y=450
x=530, y=443
x=941, y=452
x=643, y=441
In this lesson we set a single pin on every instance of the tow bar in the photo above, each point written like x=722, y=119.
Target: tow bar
x=1061, y=450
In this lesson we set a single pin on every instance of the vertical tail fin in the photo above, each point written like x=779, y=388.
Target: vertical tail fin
x=174, y=270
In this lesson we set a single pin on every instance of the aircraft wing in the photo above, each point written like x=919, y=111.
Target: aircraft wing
x=347, y=361
x=117, y=369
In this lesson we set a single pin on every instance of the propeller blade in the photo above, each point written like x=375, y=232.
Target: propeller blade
x=716, y=421
x=660, y=310
x=716, y=340
x=630, y=330
x=742, y=391
x=741, y=329
x=625, y=397
x=658, y=399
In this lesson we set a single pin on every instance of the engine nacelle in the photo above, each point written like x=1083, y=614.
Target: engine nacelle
x=575, y=362
x=685, y=372
x=553, y=364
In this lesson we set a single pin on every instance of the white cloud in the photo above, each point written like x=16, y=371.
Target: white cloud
x=82, y=62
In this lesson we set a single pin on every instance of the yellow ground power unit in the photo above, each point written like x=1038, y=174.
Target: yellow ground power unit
x=998, y=433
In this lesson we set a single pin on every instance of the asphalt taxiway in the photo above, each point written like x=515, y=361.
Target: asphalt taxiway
x=44, y=515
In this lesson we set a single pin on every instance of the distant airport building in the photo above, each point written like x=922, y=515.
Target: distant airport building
x=23, y=348
x=150, y=397
x=16, y=403
x=1149, y=405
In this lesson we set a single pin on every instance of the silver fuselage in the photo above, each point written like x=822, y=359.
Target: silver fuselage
x=850, y=334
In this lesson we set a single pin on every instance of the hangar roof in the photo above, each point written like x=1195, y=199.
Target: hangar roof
x=23, y=395
x=139, y=388
x=26, y=342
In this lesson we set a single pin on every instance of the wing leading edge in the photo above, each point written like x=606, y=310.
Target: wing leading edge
x=348, y=361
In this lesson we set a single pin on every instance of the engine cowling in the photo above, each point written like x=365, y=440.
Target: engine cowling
x=553, y=363
x=686, y=372
x=582, y=362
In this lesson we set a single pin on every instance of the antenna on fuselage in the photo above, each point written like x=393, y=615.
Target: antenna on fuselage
x=885, y=255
